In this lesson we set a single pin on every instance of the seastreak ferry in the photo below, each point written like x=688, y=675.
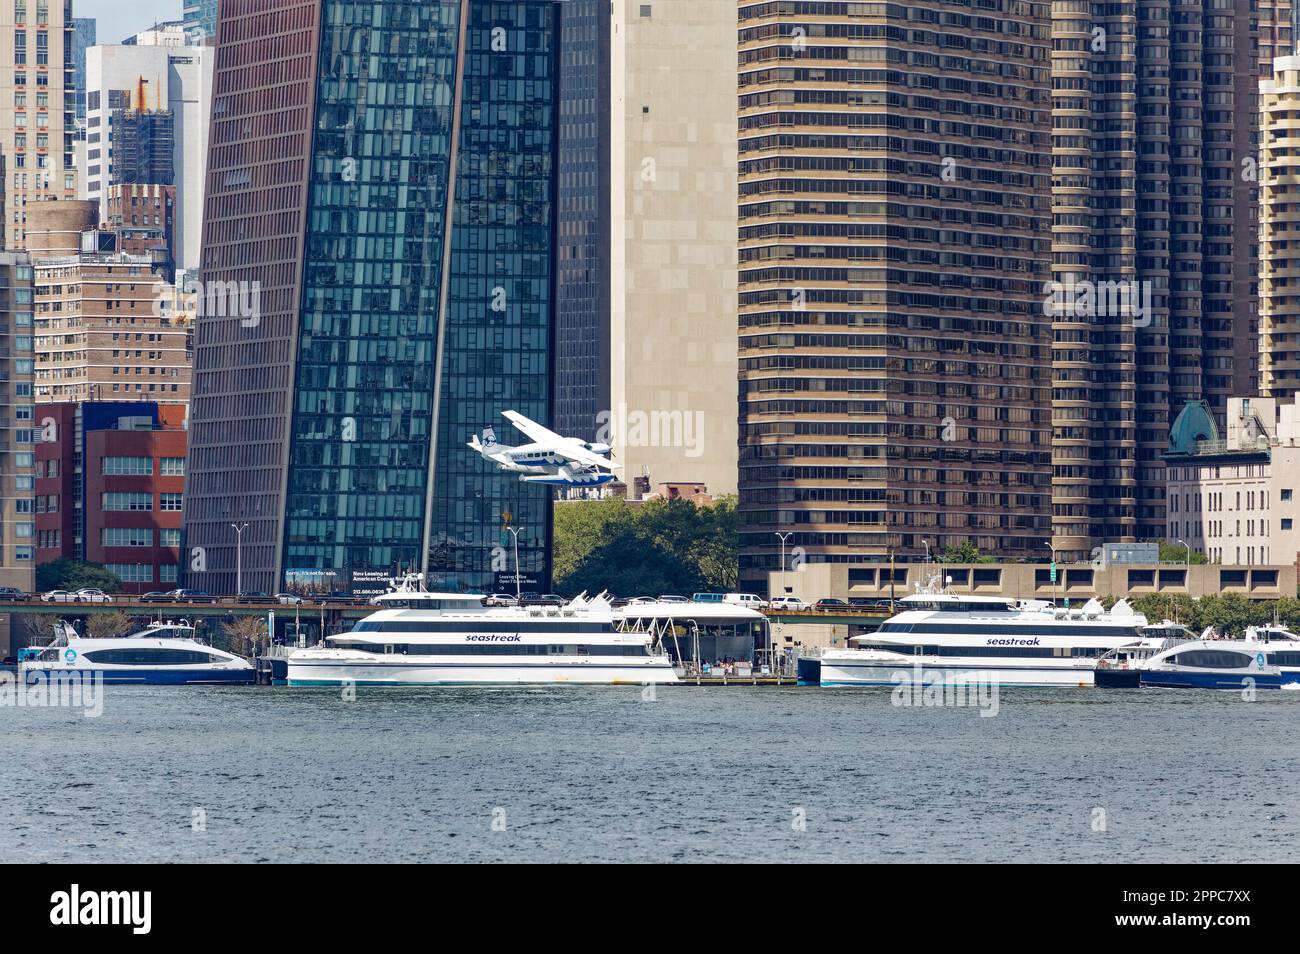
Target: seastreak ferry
x=159, y=654
x=449, y=639
x=961, y=638
x=1268, y=657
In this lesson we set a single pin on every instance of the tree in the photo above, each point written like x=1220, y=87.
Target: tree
x=66, y=574
x=964, y=552
x=660, y=546
x=103, y=625
x=1171, y=552
x=243, y=633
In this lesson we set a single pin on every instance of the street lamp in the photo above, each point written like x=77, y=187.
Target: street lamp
x=783, y=537
x=239, y=558
x=1055, y=573
x=1187, y=573
x=891, y=579
x=514, y=532
x=927, y=550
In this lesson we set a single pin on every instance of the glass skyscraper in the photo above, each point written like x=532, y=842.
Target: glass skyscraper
x=384, y=171
x=199, y=19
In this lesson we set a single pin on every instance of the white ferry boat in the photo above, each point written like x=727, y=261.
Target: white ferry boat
x=450, y=639
x=160, y=654
x=1267, y=657
x=965, y=638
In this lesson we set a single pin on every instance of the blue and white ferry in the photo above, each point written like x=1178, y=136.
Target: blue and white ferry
x=1267, y=657
x=160, y=654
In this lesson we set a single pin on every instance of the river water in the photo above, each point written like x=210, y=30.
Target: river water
x=204, y=774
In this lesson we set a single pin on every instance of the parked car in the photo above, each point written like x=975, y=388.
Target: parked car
x=746, y=599
x=673, y=599
x=11, y=594
x=830, y=604
x=157, y=596
x=643, y=599
x=59, y=596
x=289, y=599
x=499, y=599
x=91, y=595
x=255, y=597
x=788, y=603
x=863, y=602
x=551, y=599
x=529, y=597
x=192, y=596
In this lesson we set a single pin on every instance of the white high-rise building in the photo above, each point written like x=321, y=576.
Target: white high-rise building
x=166, y=76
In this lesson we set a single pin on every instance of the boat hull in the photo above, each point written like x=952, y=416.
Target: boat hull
x=1166, y=679
x=171, y=676
x=319, y=672
x=1117, y=678
x=843, y=672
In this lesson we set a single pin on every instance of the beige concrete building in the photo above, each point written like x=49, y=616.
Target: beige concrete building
x=1279, y=230
x=646, y=339
x=1236, y=497
x=1077, y=582
x=37, y=109
x=672, y=412
x=17, y=423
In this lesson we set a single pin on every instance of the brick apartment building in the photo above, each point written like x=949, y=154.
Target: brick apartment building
x=109, y=479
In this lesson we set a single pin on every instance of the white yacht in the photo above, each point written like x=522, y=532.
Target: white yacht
x=448, y=639
x=159, y=654
x=968, y=638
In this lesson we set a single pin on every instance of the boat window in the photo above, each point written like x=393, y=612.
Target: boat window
x=1005, y=629
x=492, y=649
x=478, y=626
x=145, y=656
x=1284, y=659
x=948, y=606
x=1212, y=659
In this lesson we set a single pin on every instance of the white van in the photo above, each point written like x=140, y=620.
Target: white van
x=746, y=599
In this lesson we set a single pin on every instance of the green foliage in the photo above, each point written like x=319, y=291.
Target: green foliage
x=1173, y=552
x=66, y=574
x=1229, y=613
x=964, y=552
x=660, y=546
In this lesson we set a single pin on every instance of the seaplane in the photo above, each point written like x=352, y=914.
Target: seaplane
x=550, y=459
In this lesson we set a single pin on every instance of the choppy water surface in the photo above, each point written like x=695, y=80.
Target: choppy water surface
x=698, y=774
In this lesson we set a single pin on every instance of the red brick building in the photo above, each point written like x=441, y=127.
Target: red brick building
x=109, y=479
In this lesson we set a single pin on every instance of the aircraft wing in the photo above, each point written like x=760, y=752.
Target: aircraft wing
x=534, y=430
x=584, y=457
